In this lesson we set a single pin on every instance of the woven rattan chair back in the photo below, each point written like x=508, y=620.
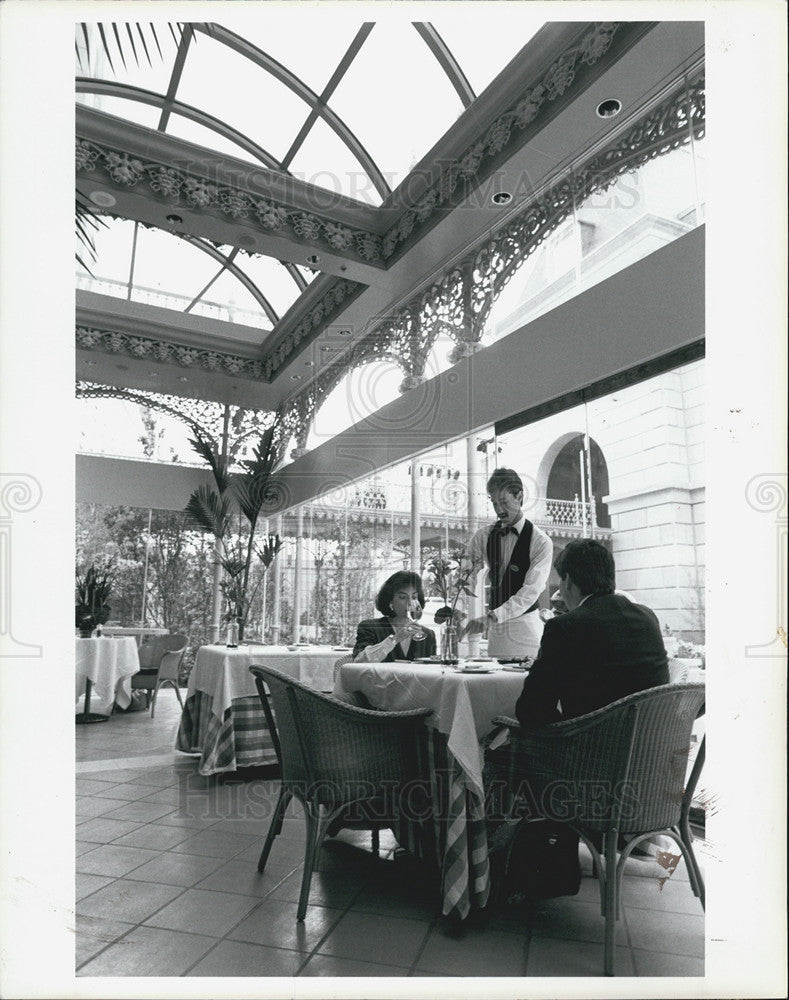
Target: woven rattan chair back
x=333, y=756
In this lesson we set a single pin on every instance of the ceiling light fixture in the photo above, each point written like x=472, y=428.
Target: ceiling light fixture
x=501, y=198
x=309, y=364
x=609, y=108
x=345, y=333
x=176, y=220
x=102, y=198
x=295, y=378
x=90, y=363
x=154, y=374
x=314, y=259
x=182, y=378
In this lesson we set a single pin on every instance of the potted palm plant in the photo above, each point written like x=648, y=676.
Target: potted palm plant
x=230, y=511
x=91, y=599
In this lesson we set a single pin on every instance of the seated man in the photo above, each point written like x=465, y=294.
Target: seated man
x=603, y=648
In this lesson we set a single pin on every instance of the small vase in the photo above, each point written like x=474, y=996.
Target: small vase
x=232, y=633
x=85, y=632
x=449, y=644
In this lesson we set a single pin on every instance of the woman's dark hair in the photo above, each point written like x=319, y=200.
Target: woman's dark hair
x=589, y=565
x=505, y=479
x=398, y=581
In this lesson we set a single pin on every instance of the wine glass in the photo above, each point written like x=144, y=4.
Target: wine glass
x=414, y=612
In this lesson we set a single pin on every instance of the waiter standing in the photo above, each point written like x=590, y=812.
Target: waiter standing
x=518, y=555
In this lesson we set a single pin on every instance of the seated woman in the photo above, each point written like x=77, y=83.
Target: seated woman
x=394, y=637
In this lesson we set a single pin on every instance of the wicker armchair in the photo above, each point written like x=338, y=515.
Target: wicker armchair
x=618, y=770
x=346, y=765
x=160, y=665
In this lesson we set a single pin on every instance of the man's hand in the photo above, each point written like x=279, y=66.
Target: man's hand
x=476, y=626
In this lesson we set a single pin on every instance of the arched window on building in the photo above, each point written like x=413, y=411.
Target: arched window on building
x=566, y=481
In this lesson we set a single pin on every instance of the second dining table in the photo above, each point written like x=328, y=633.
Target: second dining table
x=464, y=705
x=223, y=719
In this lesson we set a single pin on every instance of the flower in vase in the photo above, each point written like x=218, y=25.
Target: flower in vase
x=448, y=578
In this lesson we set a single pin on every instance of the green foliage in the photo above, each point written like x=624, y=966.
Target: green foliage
x=447, y=577
x=92, y=594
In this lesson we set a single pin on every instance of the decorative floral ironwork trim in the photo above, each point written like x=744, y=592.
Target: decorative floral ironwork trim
x=174, y=184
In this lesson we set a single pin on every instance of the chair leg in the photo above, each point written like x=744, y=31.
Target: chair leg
x=376, y=842
x=610, y=902
x=178, y=695
x=314, y=836
x=275, y=827
x=153, y=699
x=685, y=840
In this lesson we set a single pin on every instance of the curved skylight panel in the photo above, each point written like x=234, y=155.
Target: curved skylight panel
x=130, y=111
x=483, y=47
x=190, y=131
x=273, y=280
x=168, y=267
x=237, y=91
x=396, y=98
x=312, y=56
x=113, y=242
x=326, y=161
x=230, y=300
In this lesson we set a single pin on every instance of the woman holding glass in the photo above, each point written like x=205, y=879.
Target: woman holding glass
x=397, y=635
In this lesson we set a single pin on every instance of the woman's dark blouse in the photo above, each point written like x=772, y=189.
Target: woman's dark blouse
x=374, y=630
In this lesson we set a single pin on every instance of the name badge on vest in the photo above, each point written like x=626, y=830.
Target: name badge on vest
x=514, y=568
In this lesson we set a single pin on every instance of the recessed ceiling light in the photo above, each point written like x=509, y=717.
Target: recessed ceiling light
x=90, y=363
x=609, y=108
x=314, y=259
x=309, y=364
x=176, y=220
x=345, y=333
x=501, y=198
x=246, y=241
x=102, y=198
x=182, y=378
x=154, y=374
x=295, y=378
x=326, y=347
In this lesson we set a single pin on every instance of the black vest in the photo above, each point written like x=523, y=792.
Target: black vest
x=517, y=568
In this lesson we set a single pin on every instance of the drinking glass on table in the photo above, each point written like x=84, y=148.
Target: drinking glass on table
x=414, y=614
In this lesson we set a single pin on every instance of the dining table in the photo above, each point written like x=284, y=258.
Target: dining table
x=464, y=704
x=104, y=667
x=223, y=720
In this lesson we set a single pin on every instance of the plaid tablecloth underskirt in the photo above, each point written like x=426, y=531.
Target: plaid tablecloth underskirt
x=240, y=739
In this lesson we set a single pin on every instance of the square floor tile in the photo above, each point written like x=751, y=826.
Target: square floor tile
x=244, y=877
x=164, y=795
x=88, y=786
x=109, y=859
x=148, y=952
x=154, y=836
x=474, y=953
x=93, y=934
x=176, y=869
x=127, y=900
x=274, y=923
x=88, y=806
x=405, y=900
x=555, y=957
x=129, y=793
x=83, y=846
x=194, y=823
x=237, y=958
x=676, y=897
x=86, y=884
x=202, y=911
x=568, y=918
x=387, y=940
x=332, y=965
x=141, y=812
x=104, y=831
x=673, y=933
x=157, y=778
x=217, y=844
x=325, y=890
x=656, y=963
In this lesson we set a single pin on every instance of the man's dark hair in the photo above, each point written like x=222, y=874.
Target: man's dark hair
x=589, y=565
x=506, y=479
x=398, y=581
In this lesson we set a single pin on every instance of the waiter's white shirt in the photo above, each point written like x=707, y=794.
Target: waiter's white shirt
x=516, y=633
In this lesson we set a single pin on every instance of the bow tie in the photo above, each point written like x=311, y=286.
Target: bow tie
x=503, y=529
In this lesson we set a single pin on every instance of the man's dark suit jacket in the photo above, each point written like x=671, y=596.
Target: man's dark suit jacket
x=374, y=630
x=606, y=648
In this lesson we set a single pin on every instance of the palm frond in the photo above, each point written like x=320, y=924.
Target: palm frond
x=207, y=449
x=208, y=511
x=117, y=44
x=87, y=223
x=267, y=552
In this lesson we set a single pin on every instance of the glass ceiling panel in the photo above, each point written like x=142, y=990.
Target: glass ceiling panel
x=168, y=264
x=230, y=300
x=201, y=135
x=130, y=111
x=483, y=47
x=312, y=57
x=412, y=109
x=273, y=280
x=346, y=176
x=235, y=90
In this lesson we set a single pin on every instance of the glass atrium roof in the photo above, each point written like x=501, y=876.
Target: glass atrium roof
x=350, y=107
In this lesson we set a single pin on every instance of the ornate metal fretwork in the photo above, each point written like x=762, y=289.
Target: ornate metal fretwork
x=202, y=417
x=460, y=303
x=176, y=186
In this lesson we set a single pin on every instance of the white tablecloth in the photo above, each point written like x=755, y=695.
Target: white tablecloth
x=224, y=673
x=109, y=665
x=464, y=704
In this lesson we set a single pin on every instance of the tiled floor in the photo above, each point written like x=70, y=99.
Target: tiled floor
x=167, y=885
